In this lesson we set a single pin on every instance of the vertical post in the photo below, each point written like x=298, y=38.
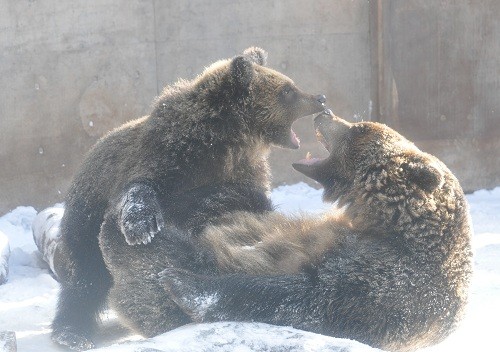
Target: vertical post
x=384, y=90
x=376, y=58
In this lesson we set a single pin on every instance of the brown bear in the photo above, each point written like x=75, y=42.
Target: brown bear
x=217, y=127
x=392, y=270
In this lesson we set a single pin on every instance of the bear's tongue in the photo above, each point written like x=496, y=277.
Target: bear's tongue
x=309, y=160
x=294, y=139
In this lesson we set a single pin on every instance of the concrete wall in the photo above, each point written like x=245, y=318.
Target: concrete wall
x=72, y=70
x=440, y=77
x=69, y=71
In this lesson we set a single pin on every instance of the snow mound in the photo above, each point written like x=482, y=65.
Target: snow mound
x=46, y=232
x=239, y=337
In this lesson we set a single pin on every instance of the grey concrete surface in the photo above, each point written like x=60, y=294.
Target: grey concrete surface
x=442, y=69
x=72, y=70
x=69, y=72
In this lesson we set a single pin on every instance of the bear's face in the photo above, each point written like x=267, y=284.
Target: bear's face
x=266, y=101
x=368, y=157
x=277, y=103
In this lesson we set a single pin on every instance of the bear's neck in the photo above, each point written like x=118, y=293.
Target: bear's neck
x=248, y=162
x=207, y=148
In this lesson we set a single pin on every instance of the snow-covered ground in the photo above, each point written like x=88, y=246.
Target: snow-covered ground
x=28, y=299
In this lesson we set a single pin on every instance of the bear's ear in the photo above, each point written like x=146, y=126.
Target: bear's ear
x=256, y=55
x=424, y=174
x=242, y=70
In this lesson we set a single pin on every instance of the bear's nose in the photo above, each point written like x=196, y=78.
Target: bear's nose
x=321, y=98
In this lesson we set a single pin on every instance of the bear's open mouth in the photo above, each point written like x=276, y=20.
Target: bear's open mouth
x=309, y=160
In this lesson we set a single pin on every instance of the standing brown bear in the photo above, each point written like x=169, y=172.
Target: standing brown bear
x=216, y=128
x=392, y=271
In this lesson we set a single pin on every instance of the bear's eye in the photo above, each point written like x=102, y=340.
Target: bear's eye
x=287, y=93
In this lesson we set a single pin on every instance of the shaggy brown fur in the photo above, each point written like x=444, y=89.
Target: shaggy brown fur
x=393, y=272
x=272, y=242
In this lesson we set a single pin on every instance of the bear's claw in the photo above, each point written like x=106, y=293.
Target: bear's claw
x=141, y=218
x=140, y=226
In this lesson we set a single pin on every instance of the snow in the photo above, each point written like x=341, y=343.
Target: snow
x=204, y=302
x=28, y=299
x=240, y=337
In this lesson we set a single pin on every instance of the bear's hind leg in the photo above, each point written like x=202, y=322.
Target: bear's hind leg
x=84, y=280
x=144, y=306
x=136, y=295
x=76, y=317
x=280, y=300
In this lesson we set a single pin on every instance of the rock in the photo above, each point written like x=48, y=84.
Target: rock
x=4, y=257
x=8, y=341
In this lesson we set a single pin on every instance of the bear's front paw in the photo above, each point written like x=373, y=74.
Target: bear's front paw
x=140, y=223
x=141, y=217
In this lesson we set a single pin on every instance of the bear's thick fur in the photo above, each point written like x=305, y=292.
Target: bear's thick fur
x=136, y=294
x=391, y=271
x=216, y=128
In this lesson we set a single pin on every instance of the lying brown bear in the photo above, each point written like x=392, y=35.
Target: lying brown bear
x=392, y=270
